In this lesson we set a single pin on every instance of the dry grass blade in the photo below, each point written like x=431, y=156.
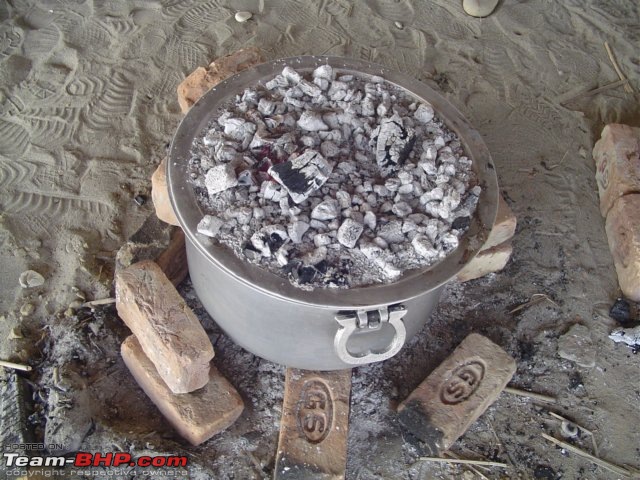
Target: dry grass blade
x=535, y=299
x=15, y=366
x=469, y=467
x=627, y=87
x=588, y=93
x=598, y=461
x=95, y=303
x=532, y=395
x=463, y=461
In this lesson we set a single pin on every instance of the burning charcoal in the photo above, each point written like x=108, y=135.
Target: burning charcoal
x=309, y=88
x=402, y=209
x=310, y=140
x=271, y=191
x=326, y=210
x=296, y=230
x=324, y=71
x=269, y=239
x=282, y=256
x=370, y=220
x=449, y=241
x=291, y=75
x=209, y=226
x=392, y=232
x=238, y=128
x=321, y=240
x=368, y=108
x=349, y=233
x=337, y=91
x=376, y=255
x=312, y=122
x=393, y=142
x=329, y=149
x=277, y=82
x=423, y=247
x=343, y=198
x=306, y=274
x=266, y=106
x=220, y=178
x=439, y=142
x=315, y=256
x=258, y=213
x=302, y=175
x=424, y=113
x=323, y=83
x=431, y=195
x=246, y=178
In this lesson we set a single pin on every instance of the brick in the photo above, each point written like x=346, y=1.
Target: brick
x=487, y=261
x=173, y=260
x=617, y=158
x=504, y=227
x=456, y=393
x=168, y=331
x=196, y=416
x=314, y=426
x=158, y=241
x=624, y=242
x=201, y=80
x=160, y=195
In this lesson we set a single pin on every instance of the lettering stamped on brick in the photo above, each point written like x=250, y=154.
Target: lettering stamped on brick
x=315, y=421
x=456, y=393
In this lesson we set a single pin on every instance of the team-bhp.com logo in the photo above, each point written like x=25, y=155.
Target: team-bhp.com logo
x=85, y=459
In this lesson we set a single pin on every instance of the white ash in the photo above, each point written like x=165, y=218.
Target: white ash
x=333, y=180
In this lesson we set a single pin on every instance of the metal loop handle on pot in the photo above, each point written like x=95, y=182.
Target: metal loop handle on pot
x=363, y=320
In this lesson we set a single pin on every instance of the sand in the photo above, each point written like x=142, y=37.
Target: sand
x=87, y=106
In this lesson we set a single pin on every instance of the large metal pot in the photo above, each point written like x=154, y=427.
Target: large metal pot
x=324, y=329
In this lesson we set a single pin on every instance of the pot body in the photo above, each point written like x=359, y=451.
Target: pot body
x=296, y=334
x=323, y=329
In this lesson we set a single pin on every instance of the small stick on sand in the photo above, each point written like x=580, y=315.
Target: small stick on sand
x=535, y=298
x=463, y=461
x=588, y=93
x=598, y=461
x=95, y=303
x=627, y=87
x=15, y=366
x=551, y=167
x=534, y=396
x=470, y=467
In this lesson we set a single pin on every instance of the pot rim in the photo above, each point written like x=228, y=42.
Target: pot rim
x=411, y=284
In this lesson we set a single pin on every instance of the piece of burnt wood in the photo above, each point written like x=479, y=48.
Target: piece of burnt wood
x=314, y=426
x=456, y=393
x=14, y=405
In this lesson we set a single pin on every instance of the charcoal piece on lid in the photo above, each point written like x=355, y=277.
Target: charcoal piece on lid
x=302, y=175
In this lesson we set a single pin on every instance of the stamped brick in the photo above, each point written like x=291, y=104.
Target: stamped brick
x=487, y=261
x=196, y=416
x=456, y=393
x=623, y=233
x=201, y=80
x=617, y=158
x=160, y=195
x=314, y=426
x=504, y=227
x=168, y=331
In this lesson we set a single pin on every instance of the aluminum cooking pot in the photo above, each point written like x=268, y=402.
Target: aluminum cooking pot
x=323, y=329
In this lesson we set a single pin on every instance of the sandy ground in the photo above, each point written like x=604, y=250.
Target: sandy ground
x=87, y=107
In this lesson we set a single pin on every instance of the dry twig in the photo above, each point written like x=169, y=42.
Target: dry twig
x=463, y=461
x=580, y=427
x=15, y=366
x=103, y=301
x=535, y=298
x=588, y=93
x=532, y=395
x=627, y=87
